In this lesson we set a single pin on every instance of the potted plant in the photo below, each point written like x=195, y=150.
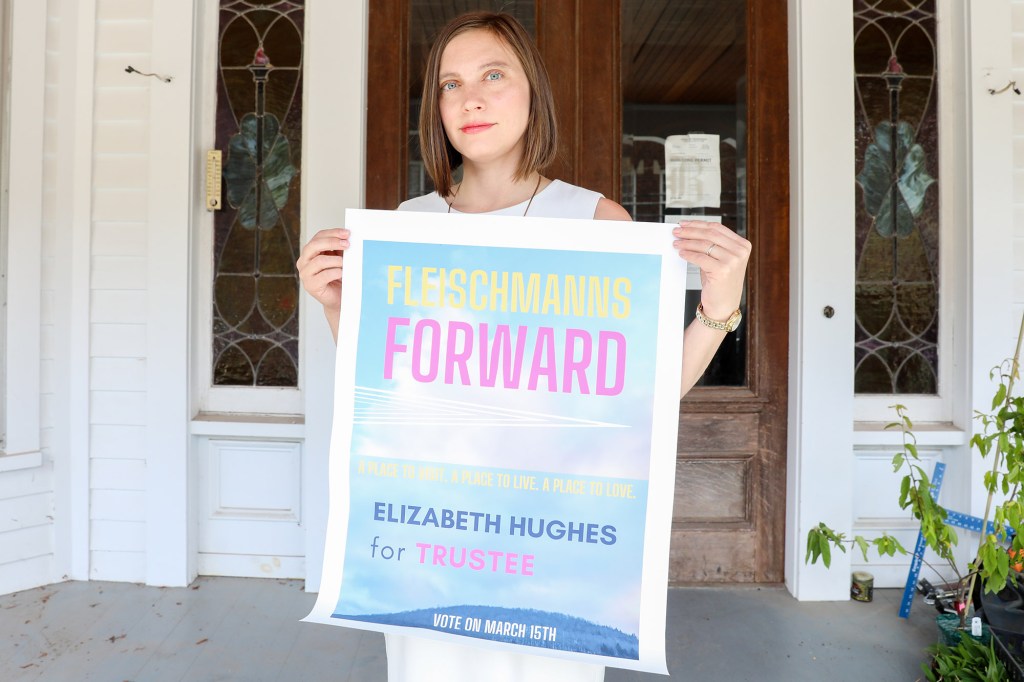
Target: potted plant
x=1000, y=554
x=967, y=660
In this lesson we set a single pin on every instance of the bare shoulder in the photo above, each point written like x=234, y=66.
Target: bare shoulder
x=610, y=210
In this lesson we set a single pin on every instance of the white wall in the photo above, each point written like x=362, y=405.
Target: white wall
x=1017, y=8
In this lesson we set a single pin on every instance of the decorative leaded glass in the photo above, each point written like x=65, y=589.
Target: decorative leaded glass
x=256, y=243
x=897, y=219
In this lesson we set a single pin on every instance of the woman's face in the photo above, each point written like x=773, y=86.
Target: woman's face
x=484, y=98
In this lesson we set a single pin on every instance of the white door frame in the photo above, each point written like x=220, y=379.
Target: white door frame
x=820, y=442
x=820, y=485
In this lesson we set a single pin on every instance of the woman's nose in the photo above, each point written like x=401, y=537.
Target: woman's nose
x=472, y=99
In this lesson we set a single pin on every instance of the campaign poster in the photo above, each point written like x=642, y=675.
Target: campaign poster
x=503, y=449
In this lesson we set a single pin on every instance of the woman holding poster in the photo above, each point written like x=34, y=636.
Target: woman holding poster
x=487, y=106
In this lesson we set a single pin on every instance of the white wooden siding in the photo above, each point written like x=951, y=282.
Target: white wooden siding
x=117, y=367
x=1018, y=161
x=26, y=528
x=117, y=441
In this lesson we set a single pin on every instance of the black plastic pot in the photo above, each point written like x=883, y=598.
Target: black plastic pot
x=1010, y=650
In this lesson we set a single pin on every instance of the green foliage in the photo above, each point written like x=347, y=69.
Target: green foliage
x=968, y=661
x=1000, y=555
x=1002, y=438
x=821, y=539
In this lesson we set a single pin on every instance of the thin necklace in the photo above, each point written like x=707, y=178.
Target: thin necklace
x=528, y=203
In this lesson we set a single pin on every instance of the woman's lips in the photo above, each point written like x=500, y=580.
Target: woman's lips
x=473, y=128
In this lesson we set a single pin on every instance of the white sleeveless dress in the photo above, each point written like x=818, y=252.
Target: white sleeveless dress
x=412, y=659
x=557, y=200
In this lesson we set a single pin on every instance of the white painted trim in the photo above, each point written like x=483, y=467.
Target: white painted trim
x=5, y=145
x=25, y=460
x=870, y=434
x=170, y=523
x=203, y=137
x=259, y=426
x=24, y=224
x=72, y=263
x=334, y=143
x=250, y=566
x=820, y=450
x=240, y=399
x=993, y=331
x=953, y=31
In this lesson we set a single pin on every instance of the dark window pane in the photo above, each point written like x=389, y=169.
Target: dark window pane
x=256, y=241
x=897, y=220
x=684, y=72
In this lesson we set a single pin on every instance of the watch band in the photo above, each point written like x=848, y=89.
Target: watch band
x=721, y=325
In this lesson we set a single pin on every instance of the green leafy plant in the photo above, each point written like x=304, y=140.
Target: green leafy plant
x=1000, y=554
x=968, y=661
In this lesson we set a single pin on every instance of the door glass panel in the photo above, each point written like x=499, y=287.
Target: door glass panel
x=897, y=145
x=427, y=18
x=684, y=73
x=259, y=130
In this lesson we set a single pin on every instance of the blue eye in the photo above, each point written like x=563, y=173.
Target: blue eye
x=447, y=86
x=494, y=76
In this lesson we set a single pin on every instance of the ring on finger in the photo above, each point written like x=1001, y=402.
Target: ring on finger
x=710, y=249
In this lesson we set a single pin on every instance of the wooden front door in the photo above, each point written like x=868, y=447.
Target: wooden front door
x=626, y=74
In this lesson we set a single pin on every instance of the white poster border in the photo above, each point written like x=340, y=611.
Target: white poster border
x=540, y=233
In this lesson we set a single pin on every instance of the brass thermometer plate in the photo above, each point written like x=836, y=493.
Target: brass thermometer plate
x=213, y=183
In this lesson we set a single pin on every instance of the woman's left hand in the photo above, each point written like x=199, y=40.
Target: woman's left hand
x=722, y=257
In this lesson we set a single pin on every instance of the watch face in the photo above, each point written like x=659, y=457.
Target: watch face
x=733, y=321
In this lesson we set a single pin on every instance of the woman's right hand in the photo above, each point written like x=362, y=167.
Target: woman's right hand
x=320, y=264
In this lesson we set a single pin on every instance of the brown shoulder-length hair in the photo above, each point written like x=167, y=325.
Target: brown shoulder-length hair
x=541, y=144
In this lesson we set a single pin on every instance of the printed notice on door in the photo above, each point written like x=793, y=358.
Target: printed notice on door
x=693, y=171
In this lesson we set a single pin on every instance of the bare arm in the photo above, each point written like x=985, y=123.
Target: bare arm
x=722, y=273
x=722, y=256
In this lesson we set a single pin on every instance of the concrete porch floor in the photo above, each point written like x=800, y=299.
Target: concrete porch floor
x=249, y=629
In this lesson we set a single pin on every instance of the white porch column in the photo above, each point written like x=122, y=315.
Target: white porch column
x=170, y=529
x=73, y=212
x=333, y=158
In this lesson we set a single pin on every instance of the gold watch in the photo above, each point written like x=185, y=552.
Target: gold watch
x=728, y=325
